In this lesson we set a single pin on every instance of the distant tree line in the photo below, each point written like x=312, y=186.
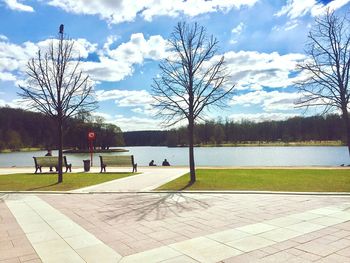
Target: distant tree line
x=318, y=128
x=20, y=128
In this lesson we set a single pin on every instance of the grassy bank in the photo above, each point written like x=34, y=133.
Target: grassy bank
x=298, y=180
x=48, y=182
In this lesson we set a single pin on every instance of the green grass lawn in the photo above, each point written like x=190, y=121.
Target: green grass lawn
x=48, y=182
x=298, y=180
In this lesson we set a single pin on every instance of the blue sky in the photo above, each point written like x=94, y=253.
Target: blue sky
x=123, y=41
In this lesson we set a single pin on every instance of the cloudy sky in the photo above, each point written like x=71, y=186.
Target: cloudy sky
x=122, y=41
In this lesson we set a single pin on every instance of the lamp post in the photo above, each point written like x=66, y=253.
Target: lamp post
x=91, y=138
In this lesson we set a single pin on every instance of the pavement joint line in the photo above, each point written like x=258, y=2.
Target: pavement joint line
x=246, y=243
x=36, y=210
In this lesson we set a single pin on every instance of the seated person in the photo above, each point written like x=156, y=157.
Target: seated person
x=152, y=163
x=165, y=163
x=49, y=153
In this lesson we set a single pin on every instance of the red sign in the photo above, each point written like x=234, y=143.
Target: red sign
x=91, y=136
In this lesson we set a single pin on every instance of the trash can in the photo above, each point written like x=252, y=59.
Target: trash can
x=86, y=165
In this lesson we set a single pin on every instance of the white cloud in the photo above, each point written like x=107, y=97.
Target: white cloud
x=238, y=29
x=14, y=57
x=3, y=38
x=110, y=40
x=113, y=64
x=6, y=76
x=261, y=117
x=126, y=10
x=253, y=70
x=106, y=116
x=15, y=5
x=107, y=69
x=116, y=64
x=138, y=49
x=291, y=25
x=135, y=123
x=16, y=103
x=298, y=8
x=270, y=101
x=81, y=47
x=140, y=100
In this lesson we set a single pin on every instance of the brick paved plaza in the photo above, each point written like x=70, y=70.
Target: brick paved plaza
x=96, y=225
x=174, y=228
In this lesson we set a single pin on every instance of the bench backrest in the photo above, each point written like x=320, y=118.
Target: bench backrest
x=49, y=160
x=117, y=160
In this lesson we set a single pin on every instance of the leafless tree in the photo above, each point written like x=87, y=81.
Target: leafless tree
x=57, y=87
x=327, y=66
x=192, y=79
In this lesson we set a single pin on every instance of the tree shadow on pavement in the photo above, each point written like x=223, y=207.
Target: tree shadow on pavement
x=152, y=206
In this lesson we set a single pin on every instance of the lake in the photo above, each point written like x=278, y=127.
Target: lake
x=209, y=156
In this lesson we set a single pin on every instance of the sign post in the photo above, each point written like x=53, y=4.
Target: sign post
x=91, y=138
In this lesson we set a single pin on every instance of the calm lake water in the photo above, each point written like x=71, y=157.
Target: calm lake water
x=211, y=156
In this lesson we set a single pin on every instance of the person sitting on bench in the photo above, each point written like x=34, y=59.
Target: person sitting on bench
x=152, y=163
x=165, y=163
x=49, y=153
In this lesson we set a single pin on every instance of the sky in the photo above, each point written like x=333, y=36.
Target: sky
x=121, y=43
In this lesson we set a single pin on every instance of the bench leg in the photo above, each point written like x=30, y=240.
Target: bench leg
x=69, y=167
x=37, y=168
x=134, y=168
x=103, y=168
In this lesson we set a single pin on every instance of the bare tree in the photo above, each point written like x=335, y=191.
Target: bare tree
x=191, y=80
x=57, y=87
x=327, y=66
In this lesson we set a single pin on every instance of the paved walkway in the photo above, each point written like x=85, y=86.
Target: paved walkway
x=172, y=227
x=176, y=228
x=148, y=179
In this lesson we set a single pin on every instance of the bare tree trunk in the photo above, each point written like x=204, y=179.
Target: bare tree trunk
x=60, y=150
x=191, y=153
x=345, y=117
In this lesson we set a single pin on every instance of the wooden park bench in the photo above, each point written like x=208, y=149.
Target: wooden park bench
x=50, y=161
x=118, y=161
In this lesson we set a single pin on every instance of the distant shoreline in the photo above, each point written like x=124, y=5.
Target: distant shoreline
x=34, y=149
x=28, y=149
x=240, y=144
x=269, y=144
x=96, y=151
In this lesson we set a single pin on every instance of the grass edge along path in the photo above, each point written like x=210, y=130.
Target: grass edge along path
x=291, y=180
x=48, y=182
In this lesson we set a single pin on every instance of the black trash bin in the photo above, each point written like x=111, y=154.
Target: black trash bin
x=86, y=165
